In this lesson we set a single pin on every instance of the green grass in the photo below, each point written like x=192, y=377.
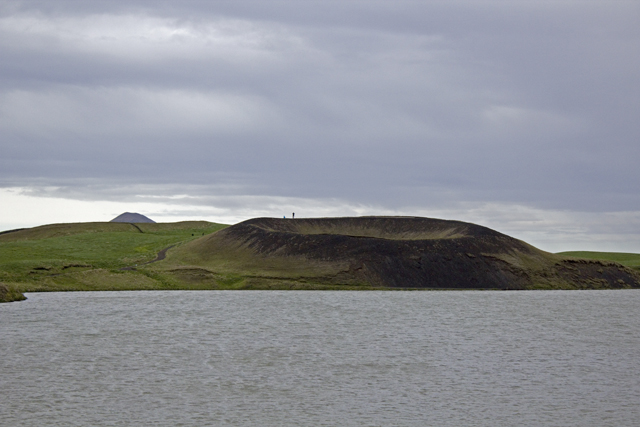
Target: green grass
x=90, y=256
x=626, y=259
x=10, y=293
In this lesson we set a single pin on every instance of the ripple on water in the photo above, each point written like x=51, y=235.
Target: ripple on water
x=322, y=358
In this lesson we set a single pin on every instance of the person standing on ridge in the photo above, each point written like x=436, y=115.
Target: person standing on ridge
x=293, y=215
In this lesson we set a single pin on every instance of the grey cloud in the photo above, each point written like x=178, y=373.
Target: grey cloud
x=394, y=104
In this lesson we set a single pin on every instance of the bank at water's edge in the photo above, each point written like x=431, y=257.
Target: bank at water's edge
x=10, y=294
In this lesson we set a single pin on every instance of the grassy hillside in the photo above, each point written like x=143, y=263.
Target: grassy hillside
x=626, y=259
x=90, y=256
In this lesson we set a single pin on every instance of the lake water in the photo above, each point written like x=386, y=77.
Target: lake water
x=254, y=358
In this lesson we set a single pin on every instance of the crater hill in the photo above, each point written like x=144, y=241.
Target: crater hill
x=371, y=252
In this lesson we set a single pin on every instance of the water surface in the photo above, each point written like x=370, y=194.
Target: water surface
x=270, y=358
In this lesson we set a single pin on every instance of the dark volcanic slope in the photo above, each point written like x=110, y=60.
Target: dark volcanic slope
x=397, y=252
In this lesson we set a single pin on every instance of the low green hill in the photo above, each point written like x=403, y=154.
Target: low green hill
x=626, y=259
x=90, y=256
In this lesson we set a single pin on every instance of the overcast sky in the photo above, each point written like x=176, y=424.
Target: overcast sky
x=523, y=116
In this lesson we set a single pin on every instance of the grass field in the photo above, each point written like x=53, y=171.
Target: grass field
x=626, y=259
x=90, y=256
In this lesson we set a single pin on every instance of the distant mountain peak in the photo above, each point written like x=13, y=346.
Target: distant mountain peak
x=131, y=217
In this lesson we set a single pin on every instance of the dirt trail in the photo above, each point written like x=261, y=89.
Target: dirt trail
x=161, y=255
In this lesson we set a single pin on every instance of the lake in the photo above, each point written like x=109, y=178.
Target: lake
x=278, y=358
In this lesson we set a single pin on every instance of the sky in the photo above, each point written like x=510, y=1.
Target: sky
x=523, y=116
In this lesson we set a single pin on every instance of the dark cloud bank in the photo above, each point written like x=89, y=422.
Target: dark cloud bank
x=398, y=105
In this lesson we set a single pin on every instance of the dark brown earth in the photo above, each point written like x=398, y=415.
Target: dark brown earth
x=402, y=252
